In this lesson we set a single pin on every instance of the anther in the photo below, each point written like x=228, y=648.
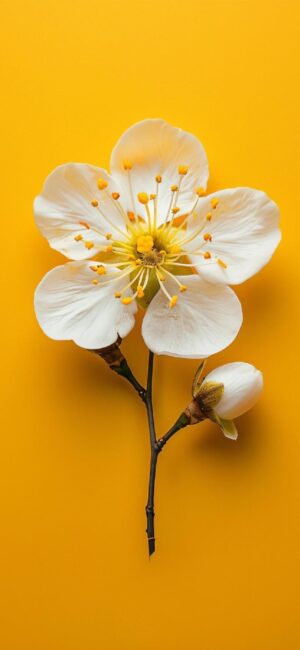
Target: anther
x=127, y=165
x=158, y=178
x=207, y=255
x=152, y=197
x=140, y=292
x=95, y=281
x=115, y=195
x=207, y=236
x=78, y=237
x=108, y=235
x=89, y=244
x=200, y=191
x=131, y=216
x=143, y=197
x=118, y=294
x=160, y=276
x=182, y=288
x=138, y=262
x=94, y=203
x=182, y=170
x=108, y=249
x=175, y=249
x=222, y=264
x=100, y=270
x=175, y=210
x=174, y=188
x=214, y=203
x=173, y=301
x=85, y=224
x=127, y=300
x=102, y=184
x=144, y=244
x=208, y=216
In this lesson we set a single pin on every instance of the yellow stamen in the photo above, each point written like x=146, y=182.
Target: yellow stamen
x=175, y=249
x=140, y=292
x=115, y=195
x=160, y=275
x=94, y=268
x=182, y=288
x=131, y=216
x=118, y=294
x=138, y=262
x=207, y=255
x=208, y=216
x=127, y=300
x=174, y=188
x=200, y=191
x=222, y=264
x=182, y=170
x=158, y=178
x=102, y=184
x=108, y=235
x=144, y=244
x=175, y=210
x=173, y=301
x=207, y=236
x=127, y=164
x=94, y=203
x=143, y=197
x=152, y=197
x=78, y=237
x=95, y=281
x=214, y=203
x=108, y=249
x=101, y=270
x=85, y=224
x=89, y=244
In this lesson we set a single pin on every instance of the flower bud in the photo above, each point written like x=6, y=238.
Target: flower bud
x=224, y=394
x=242, y=383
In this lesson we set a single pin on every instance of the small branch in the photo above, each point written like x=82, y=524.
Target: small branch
x=124, y=370
x=180, y=423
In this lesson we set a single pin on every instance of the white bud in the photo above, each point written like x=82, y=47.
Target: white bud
x=242, y=383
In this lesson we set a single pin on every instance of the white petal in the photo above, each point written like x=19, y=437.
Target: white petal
x=69, y=306
x=66, y=200
x=243, y=384
x=244, y=230
x=205, y=320
x=155, y=147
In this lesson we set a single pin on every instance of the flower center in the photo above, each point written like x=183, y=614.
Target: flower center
x=150, y=252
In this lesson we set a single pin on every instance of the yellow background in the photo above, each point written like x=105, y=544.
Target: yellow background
x=74, y=446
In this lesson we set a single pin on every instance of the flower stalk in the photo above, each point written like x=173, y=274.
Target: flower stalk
x=114, y=358
x=156, y=445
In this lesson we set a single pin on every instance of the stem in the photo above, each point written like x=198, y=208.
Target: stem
x=124, y=370
x=153, y=459
x=182, y=422
x=156, y=447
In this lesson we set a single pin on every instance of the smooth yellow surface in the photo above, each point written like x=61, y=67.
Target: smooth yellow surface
x=74, y=448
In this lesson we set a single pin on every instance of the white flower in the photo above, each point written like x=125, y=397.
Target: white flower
x=235, y=388
x=157, y=242
x=242, y=383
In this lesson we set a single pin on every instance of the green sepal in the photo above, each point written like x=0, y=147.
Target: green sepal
x=209, y=395
x=197, y=381
x=228, y=427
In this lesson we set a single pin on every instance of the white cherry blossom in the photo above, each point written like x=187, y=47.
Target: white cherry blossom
x=147, y=236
